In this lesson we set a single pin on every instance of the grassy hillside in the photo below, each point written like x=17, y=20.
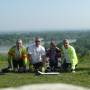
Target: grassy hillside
x=81, y=77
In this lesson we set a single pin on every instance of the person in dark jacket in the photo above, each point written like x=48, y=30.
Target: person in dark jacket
x=53, y=54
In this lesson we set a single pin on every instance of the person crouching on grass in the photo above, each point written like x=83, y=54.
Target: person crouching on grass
x=36, y=53
x=69, y=57
x=54, y=56
x=17, y=57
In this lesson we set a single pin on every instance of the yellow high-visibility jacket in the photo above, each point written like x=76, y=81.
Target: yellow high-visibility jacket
x=23, y=54
x=72, y=56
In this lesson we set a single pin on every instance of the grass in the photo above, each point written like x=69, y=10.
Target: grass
x=80, y=78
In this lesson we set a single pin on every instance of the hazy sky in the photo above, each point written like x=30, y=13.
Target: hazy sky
x=44, y=14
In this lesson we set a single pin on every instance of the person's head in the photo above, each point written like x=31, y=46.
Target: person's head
x=19, y=43
x=66, y=43
x=53, y=44
x=37, y=41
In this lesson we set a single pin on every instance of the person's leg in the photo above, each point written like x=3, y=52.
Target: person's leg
x=30, y=67
x=64, y=67
x=9, y=63
x=51, y=65
x=15, y=65
x=73, y=68
x=41, y=67
x=38, y=67
x=8, y=68
x=68, y=67
x=22, y=66
x=55, y=65
x=25, y=65
x=35, y=67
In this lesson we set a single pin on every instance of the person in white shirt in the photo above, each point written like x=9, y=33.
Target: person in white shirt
x=36, y=53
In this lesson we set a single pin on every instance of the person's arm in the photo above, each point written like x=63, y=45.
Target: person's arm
x=9, y=61
x=43, y=54
x=29, y=51
x=73, y=58
x=29, y=57
x=24, y=55
x=47, y=56
x=62, y=55
x=58, y=52
x=10, y=56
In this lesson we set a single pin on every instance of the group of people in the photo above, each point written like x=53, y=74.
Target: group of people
x=45, y=60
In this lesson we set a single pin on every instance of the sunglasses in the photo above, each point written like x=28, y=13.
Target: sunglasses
x=37, y=41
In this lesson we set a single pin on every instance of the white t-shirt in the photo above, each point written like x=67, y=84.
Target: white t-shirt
x=36, y=53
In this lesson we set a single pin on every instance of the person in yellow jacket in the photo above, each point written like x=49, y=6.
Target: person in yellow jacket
x=69, y=57
x=17, y=56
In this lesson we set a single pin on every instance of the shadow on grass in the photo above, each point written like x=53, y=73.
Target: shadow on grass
x=89, y=73
x=2, y=73
x=83, y=69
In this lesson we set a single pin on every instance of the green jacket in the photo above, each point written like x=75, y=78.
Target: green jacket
x=72, y=56
x=23, y=54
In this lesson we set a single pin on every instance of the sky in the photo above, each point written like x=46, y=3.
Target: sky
x=21, y=15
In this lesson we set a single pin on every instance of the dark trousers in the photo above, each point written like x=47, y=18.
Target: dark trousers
x=18, y=64
x=66, y=66
x=53, y=64
x=38, y=66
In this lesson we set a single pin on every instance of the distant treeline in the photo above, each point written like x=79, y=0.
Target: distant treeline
x=82, y=43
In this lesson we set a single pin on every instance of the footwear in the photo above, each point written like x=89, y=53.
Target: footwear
x=15, y=70
x=73, y=71
x=5, y=70
x=37, y=73
x=43, y=69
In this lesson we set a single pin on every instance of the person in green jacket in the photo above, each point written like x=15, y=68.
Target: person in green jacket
x=17, y=57
x=69, y=57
